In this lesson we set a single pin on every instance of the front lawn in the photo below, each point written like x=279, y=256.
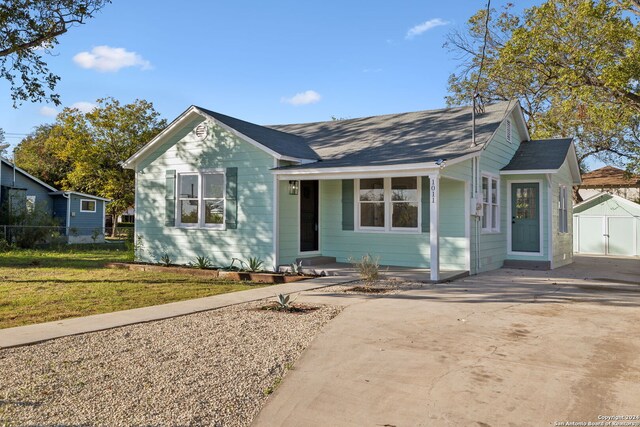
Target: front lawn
x=45, y=285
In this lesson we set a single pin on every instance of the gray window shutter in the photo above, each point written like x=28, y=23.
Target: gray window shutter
x=347, y=204
x=231, y=209
x=426, y=208
x=170, y=199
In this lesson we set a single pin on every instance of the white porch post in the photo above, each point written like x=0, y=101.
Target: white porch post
x=434, y=224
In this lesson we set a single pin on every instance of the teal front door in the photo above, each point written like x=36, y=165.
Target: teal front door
x=525, y=217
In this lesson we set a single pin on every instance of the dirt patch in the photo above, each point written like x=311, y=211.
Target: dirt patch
x=368, y=290
x=294, y=309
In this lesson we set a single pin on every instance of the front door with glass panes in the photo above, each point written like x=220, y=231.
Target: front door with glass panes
x=525, y=217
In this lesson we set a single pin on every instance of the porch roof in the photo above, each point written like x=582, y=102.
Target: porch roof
x=397, y=139
x=543, y=154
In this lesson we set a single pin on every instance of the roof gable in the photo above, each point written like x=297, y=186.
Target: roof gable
x=28, y=175
x=279, y=142
x=601, y=198
x=275, y=143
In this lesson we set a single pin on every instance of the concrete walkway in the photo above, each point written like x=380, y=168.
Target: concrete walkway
x=31, y=334
x=509, y=347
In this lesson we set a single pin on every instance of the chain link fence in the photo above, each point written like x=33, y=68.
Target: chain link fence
x=28, y=236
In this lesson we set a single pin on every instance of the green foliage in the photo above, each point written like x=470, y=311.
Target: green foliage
x=4, y=245
x=25, y=228
x=166, y=260
x=254, y=264
x=95, y=234
x=202, y=262
x=368, y=268
x=38, y=154
x=232, y=266
x=573, y=64
x=284, y=302
x=84, y=151
x=296, y=268
x=29, y=28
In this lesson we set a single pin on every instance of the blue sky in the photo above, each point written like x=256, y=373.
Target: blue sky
x=265, y=62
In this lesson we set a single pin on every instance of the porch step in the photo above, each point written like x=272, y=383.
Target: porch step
x=315, y=260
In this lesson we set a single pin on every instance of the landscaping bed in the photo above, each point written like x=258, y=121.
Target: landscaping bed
x=211, y=368
x=250, y=276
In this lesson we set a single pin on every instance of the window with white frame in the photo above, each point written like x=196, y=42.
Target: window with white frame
x=201, y=199
x=563, y=222
x=507, y=130
x=389, y=204
x=87, y=205
x=490, y=204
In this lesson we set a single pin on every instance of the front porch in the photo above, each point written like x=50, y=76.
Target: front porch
x=326, y=217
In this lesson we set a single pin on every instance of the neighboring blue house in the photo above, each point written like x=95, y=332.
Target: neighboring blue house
x=415, y=189
x=81, y=216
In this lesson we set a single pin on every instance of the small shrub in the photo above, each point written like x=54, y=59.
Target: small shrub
x=202, y=262
x=284, y=302
x=296, y=268
x=368, y=268
x=4, y=245
x=95, y=233
x=254, y=264
x=166, y=260
x=232, y=267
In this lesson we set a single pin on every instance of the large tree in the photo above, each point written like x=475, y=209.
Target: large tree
x=39, y=154
x=29, y=28
x=573, y=64
x=87, y=149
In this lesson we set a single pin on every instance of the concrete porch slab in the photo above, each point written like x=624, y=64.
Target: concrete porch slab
x=386, y=271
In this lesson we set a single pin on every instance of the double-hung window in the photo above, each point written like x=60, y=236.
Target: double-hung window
x=490, y=204
x=201, y=199
x=563, y=226
x=388, y=204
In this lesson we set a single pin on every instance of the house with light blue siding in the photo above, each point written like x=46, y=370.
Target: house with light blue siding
x=448, y=189
x=81, y=216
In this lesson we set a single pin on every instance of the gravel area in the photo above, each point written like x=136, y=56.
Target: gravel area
x=213, y=368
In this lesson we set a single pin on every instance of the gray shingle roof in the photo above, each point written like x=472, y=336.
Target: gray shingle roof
x=423, y=136
x=282, y=143
x=542, y=154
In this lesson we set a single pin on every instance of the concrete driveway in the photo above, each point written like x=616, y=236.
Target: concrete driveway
x=510, y=347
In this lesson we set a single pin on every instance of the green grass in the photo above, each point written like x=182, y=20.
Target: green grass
x=45, y=285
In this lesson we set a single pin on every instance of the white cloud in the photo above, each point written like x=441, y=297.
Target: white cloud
x=48, y=111
x=110, y=59
x=425, y=26
x=303, y=98
x=84, y=106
